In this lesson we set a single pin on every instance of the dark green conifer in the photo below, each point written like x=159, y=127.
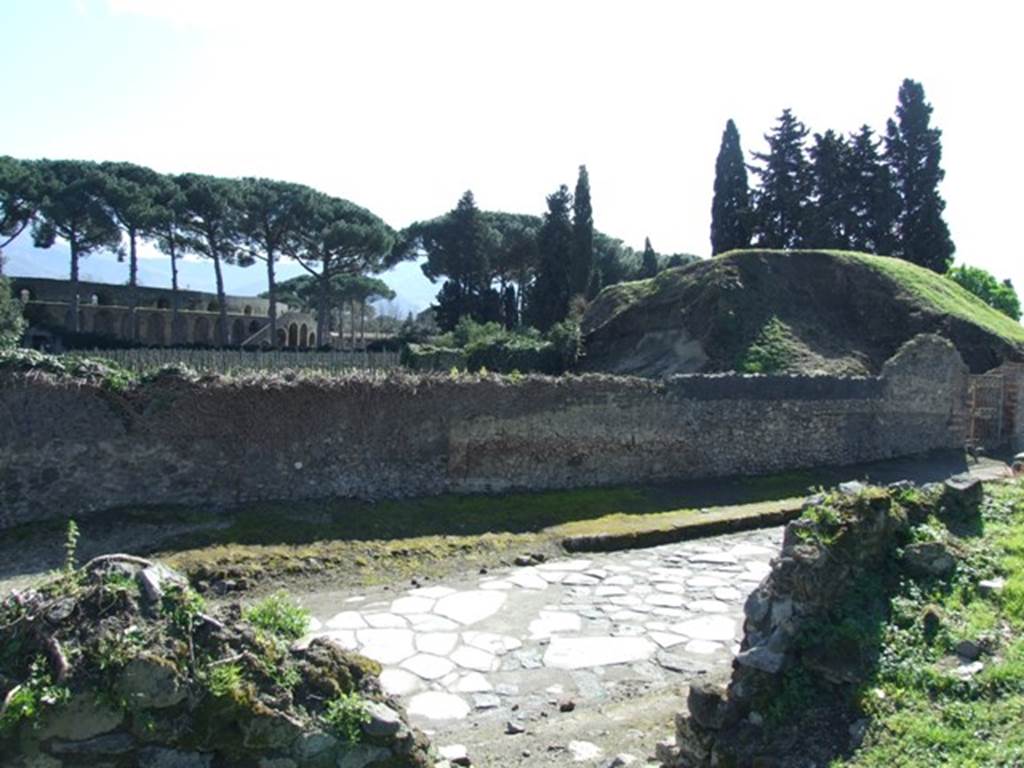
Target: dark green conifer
x=649, y=260
x=782, y=200
x=872, y=202
x=582, y=236
x=828, y=223
x=549, y=296
x=914, y=154
x=730, y=206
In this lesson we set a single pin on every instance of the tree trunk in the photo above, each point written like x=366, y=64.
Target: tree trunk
x=133, y=285
x=362, y=322
x=322, y=308
x=352, y=325
x=222, y=306
x=74, y=322
x=175, y=298
x=272, y=296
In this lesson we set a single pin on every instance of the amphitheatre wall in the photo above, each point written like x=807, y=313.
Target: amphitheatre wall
x=70, y=447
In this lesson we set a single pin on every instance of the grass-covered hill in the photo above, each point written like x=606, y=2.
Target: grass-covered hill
x=798, y=311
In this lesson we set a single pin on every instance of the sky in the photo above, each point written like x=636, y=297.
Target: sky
x=401, y=105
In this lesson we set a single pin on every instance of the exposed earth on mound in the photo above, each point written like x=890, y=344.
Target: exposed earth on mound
x=788, y=311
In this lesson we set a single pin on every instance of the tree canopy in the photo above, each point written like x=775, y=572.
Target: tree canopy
x=730, y=205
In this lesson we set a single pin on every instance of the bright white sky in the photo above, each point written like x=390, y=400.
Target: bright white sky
x=401, y=105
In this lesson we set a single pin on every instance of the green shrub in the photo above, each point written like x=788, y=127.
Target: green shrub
x=771, y=351
x=26, y=702
x=12, y=323
x=344, y=716
x=279, y=615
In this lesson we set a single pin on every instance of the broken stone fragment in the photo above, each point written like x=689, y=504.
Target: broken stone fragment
x=708, y=705
x=989, y=587
x=763, y=659
x=154, y=581
x=150, y=682
x=929, y=559
x=384, y=721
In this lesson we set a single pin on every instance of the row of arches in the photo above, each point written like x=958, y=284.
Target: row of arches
x=158, y=329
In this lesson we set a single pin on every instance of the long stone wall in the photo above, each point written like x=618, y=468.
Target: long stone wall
x=68, y=447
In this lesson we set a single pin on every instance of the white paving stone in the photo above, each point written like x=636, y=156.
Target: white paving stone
x=550, y=622
x=714, y=558
x=346, y=620
x=620, y=580
x=758, y=569
x=528, y=580
x=584, y=751
x=665, y=600
x=472, y=682
x=703, y=647
x=470, y=607
x=412, y=605
x=468, y=657
x=432, y=623
x=714, y=627
x=499, y=584
x=434, y=593
x=428, y=666
x=666, y=639
x=552, y=577
x=708, y=606
x=436, y=705
x=580, y=579
x=385, y=620
x=355, y=599
x=729, y=594
x=438, y=643
x=565, y=565
x=705, y=582
x=398, y=682
x=491, y=642
x=608, y=590
x=584, y=652
x=388, y=646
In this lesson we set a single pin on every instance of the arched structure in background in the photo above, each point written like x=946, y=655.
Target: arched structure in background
x=303, y=336
x=312, y=339
x=282, y=338
x=155, y=329
x=238, y=334
x=293, y=336
x=201, y=331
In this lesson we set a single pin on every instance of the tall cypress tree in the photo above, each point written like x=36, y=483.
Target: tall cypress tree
x=582, y=236
x=828, y=223
x=781, y=201
x=730, y=206
x=649, y=260
x=914, y=152
x=872, y=202
x=549, y=295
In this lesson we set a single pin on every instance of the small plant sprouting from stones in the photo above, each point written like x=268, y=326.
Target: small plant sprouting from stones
x=226, y=681
x=26, y=701
x=71, y=548
x=279, y=615
x=345, y=716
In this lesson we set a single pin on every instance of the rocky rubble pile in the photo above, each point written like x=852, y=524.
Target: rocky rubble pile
x=845, y=548
x=120, y=664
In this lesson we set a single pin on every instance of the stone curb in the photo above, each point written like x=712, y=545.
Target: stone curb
x=728, y=520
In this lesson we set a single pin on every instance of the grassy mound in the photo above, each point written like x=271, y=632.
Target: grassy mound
x=763, y=311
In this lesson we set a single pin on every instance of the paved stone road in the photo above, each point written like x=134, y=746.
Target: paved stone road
x=514, y=639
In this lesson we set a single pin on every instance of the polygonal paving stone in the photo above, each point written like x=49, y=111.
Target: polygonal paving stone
x=471, y=682
x=705, y=582
x=703, y=647
x=346, y=620
x=528, y=580
x=398, y=682
x=670, y=587
x=552, y=577
x=715, y=627
x=434, y=593
x=385, y=621
x=708, y=606
x=620, y=580
x=491, y=642
x=428, y=666
x=388, y=646
x=470, y=607
x=565, y=565
x=475, y=659
x=666, y=639
x=580, y=579
x=437, y=643
x=431, y=623
x=609, y=590
x=758, y=569
x=584, y=652
x=498, y=584
x=729, y=594
x=436, y=705
x=550, y=622
x=714, y=558
x=665, y=600
x=745, y=549
x=412, y=605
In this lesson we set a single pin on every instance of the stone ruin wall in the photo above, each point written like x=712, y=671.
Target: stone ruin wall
x=67, y=447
